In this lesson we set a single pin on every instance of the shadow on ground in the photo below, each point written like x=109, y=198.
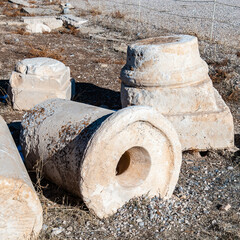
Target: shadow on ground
x=97, y=96
x=3, y=90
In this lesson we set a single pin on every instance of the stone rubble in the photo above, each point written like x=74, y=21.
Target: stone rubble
x=37, y=79
x=70, y=19
x=42, y=24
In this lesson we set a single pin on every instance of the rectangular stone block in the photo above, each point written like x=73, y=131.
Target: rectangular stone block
x=205, y=130
x=37, y=81
x=50, y=21
x=25, y=99
x=73, y=20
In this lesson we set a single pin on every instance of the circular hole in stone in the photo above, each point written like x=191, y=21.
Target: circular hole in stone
x=158, y=40
x=133, y=167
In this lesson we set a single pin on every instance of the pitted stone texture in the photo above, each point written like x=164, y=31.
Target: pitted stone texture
x=38, y=79
x=168, y=74
x=103, y=156
x=20, y=208
x=164, y=62
x=194, y=98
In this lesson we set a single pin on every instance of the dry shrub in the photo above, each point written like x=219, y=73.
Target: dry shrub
x=3, y=2
x=238, y=54
x=70, y=30
x=109, y=61
x=9, y=11
x=219, y=76
x=234, y=96
x=95, y=11
x=21, y=31
x=222, y=63
x=32, y=2
x=118, y=15
x=43, y=51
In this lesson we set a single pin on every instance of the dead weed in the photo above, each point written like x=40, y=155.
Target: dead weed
x=109, y=61
x=21, y=31
x=10, y=11
x=95, y=11
x=118, y=15
x=43, y=51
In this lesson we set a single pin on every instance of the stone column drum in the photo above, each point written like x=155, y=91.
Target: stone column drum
x=103, y=156
x=38, y=79
x=20, y=208
x=168, y=74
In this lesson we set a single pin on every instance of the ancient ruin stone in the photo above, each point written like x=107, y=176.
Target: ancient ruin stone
x=168, y=74
x=103, y=156
x=41, y=24
x=20, y=208
x=37, y=79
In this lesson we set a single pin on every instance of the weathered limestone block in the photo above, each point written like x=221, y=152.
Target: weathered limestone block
x=37, y=79
x=41, y=24
x=103, y=156
x=168, y=74
x=73, y=20
x=20, y=208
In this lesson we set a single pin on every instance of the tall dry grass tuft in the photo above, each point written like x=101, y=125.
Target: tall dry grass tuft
x=43, y=51
x=118, y=15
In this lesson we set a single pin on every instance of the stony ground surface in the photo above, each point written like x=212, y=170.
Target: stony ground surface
x=206, y=201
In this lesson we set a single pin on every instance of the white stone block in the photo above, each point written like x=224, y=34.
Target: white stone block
x=37, y=28
x=38, y=79
x=20, y=2
x=103, y=156
x=20, y=208
x=50, y=21
x=168, y=74
x=73, y=20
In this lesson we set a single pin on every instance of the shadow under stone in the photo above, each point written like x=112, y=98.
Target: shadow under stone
x=91, y=94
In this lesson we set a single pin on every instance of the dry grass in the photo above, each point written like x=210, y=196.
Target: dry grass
x=21, y=31
x=9, y=11
x=109, y=61
x=118, y=15
x=95, y=11
x=3, y=2
x=234, y=96
x=43, y=51
x=219, y=76
x=32, y=2
x=69, y=30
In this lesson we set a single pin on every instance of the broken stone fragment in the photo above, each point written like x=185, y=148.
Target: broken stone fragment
x=37, y=28
x=73, y=20
x=38, y=24
x=37, y=79
x=168, y=74
x=20, y=2
x=103, y=156
x=20, y=208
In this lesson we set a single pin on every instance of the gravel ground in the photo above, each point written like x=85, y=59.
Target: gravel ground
x=205, y=204
x=179, y=16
